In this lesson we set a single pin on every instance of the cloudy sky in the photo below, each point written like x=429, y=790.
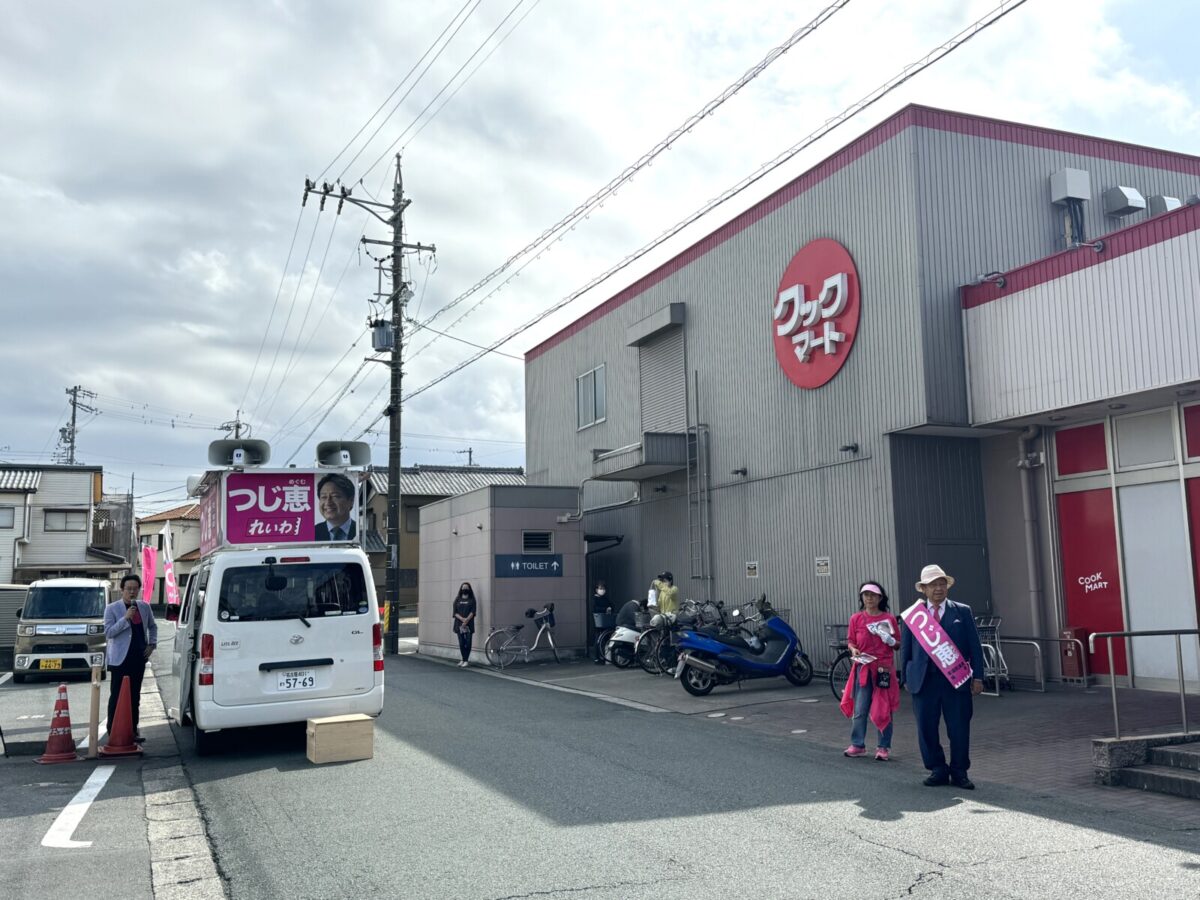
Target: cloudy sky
x=154, y=155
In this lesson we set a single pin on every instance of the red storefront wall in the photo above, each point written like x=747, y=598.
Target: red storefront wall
x=1091, y=579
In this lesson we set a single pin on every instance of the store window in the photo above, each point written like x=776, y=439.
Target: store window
x=8, y=516
x=66, y=520
x=1144, y=440
x=590, y=398
x=1081, y=450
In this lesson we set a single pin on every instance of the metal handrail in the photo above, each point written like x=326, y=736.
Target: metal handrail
x=1040, y=664
x=1176, y=633
x=1077, y=641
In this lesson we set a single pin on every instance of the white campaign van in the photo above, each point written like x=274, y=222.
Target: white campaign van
x=273, y=631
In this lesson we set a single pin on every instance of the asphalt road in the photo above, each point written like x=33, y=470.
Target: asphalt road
x=487, y=788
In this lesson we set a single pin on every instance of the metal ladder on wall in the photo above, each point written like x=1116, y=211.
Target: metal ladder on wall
x=698, y=506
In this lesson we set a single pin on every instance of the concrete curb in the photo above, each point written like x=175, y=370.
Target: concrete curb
x=182, y=864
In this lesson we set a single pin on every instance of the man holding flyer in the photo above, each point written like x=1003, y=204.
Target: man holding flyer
x=941, y=661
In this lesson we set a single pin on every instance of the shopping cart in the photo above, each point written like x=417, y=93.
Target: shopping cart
x=995, y=669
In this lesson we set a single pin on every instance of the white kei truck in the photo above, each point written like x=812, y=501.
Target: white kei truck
x=276, y=626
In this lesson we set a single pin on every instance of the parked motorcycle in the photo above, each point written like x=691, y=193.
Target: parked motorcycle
x=620, y=645
x=771, y=648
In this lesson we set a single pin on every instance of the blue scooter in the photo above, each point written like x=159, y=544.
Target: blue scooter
x=719, y=656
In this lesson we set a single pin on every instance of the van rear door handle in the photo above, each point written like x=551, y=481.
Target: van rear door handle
x=294, y=664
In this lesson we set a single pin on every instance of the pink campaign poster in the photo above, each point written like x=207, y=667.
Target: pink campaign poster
x=289, y=507
x=210, y=522
x=269, y=507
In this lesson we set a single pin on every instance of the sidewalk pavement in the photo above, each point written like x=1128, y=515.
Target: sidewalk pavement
x=1038, y=742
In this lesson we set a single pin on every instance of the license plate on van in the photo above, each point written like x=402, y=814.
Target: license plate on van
x=297, y=679
x=51, y=664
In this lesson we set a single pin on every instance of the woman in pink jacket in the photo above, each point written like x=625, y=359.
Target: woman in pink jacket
x=872, y=690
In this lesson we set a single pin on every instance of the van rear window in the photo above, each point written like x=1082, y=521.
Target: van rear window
x=64, y=603
x=311, y=590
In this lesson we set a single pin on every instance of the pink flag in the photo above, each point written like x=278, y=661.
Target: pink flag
x=149, y=569
x=172, y=587
x=932, y=638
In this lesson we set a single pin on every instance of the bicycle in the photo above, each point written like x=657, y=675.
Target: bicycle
x=501, y=647
x=839, y=669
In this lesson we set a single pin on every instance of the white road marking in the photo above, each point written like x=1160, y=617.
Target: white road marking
x=5, y=677
x=82, y=745
x=68, y=820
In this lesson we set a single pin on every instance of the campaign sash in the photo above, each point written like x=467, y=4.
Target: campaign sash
x=928, y=632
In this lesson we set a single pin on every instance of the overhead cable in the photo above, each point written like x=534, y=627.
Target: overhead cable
x=392, y=146
x=400, y=102
x=597, y=199
x=388, y=98
x=905, y=74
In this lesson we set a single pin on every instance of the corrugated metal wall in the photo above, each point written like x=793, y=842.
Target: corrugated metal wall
x=663, y=382
x=1053, y=346
x=938, y=503
x=984, y=205
x=921, y=212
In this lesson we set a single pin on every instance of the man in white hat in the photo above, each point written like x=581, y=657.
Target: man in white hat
x=934, y=695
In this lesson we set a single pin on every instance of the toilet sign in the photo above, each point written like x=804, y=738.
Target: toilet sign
x=814, y=313
x=533, y=565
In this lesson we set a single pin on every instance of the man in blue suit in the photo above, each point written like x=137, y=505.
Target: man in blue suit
x=934, y=697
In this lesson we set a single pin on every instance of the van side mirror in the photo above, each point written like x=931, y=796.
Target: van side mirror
x=173, y=613
x=19, y=611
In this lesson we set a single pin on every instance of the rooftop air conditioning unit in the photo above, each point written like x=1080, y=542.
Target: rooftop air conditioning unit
x=1123, y=201
x=1159, y=204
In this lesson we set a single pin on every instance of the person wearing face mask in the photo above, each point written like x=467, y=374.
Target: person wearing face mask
x=601, y=605
x=464, y=621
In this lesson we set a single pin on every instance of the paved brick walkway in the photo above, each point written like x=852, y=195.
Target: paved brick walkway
x=1025, y=739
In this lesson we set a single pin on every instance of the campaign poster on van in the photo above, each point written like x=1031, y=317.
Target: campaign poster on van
x=290, y=507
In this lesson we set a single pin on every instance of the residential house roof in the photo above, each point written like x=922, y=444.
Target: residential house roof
x=25, y=480
x=187, y=511
x=190, y=556
x=373, y=543
x=446, y=481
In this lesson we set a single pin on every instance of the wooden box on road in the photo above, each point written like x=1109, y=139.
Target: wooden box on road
x=341, y=738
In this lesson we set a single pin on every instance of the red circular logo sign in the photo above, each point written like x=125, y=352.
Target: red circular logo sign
x=814, y=315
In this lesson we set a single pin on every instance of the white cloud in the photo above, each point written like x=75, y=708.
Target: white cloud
x=154, y=157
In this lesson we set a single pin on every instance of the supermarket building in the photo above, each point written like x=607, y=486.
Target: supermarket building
x=956, y=340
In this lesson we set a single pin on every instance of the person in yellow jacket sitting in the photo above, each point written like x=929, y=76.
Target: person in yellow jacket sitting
x=668, y=594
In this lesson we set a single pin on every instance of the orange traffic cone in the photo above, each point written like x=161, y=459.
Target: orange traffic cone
x=60, y=747
x=120, y=739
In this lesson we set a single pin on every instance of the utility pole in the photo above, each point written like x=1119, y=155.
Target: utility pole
x=235, y=426
x=66, y=434
x=470, y=451
x=393, y=216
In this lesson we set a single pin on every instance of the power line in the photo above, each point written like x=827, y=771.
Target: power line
x=470, y=75
x=280, y=433
x=287, y=369
x=647, y=159
x=415, y=324
x=271, y=317
x=388, y=98
x=908, y=72
x=392, y=146
x=288, y=320
x=399, y=102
